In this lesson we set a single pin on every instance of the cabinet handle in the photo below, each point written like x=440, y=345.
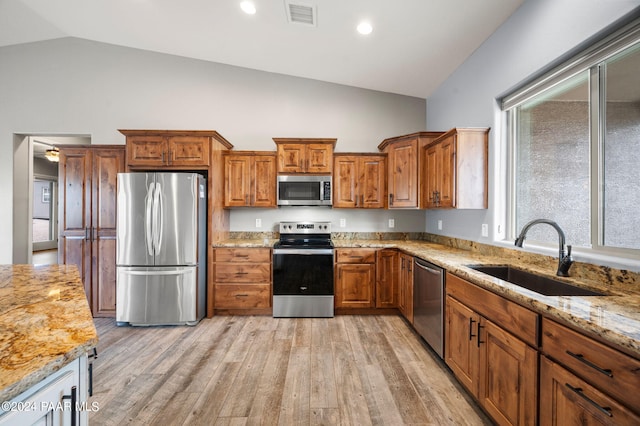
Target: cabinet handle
x=242, y=295
x=92, y=356
x=74, y=399
x=86, y=233
x=471, y=335
x=241, y=273
x=362, y=201
x=93, y=232
x=580, y=357
x=169, y=157
x=605, y=410
x=391, y=199
x=479, y=327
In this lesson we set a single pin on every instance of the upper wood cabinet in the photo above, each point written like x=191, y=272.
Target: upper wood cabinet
x=249, y=179
x=404, y=168
x=359, y=181
x=455, y=170
x=305, y=155
x=87, y=212
x=171, y=149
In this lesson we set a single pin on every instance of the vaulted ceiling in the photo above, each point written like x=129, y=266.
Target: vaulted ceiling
x=415, y=44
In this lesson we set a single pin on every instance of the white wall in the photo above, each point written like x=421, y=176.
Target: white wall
x=73, y=86
x=536, y=35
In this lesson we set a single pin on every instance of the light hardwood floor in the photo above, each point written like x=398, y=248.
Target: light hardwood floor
x=235, y=370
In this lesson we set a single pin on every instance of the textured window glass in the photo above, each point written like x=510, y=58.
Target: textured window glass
x=552, y=173
x=621, y=186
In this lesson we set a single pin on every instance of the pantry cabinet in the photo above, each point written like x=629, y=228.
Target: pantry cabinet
x=359, y=181
x=404, y=168
x=497, y=367
x=87, y=215
x=583, y=377
x=355, y=278
x=242, y=279
x=456, y=170
x=249, y=179
x=305, y=155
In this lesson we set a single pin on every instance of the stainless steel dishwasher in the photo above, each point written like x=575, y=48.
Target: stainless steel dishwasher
x=428, y=303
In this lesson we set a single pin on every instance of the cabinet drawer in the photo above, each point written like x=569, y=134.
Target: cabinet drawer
x=254, y=255
x=240, y=296
x=606, y=368
x=566, y=398
x=243, y=272
x=357, y=255
x=517, y=319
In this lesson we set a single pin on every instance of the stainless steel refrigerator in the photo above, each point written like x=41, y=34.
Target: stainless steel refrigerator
x=161, y=248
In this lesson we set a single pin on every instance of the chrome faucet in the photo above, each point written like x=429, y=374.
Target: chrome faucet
x=564, y=262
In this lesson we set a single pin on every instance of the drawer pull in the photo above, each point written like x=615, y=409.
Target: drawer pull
x=241, y=273
x=580, y=357
x=605, y=410
x=242, y=255
x=479, y=327
x=242, y=295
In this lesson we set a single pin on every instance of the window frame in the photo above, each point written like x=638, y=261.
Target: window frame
x=588, y=59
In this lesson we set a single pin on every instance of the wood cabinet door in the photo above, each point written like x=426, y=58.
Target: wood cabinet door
x=461, y=352
x=237, y=180
x=345, y=177
x=565, y=398
x=403, y=174
x=372, y=182
x=188, y=151
x=107, y=163
x=263, y=181
x=387, y=278
x=431, y=176
x=446, y=172
x=147, y=150
x=354, y=285
x=74, y=240
x=318, y=158
x=508, y=376
x=291, y=158
x=405, y=287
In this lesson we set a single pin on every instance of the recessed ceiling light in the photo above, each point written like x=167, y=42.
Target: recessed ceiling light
x=248, y=7
x=365, y=28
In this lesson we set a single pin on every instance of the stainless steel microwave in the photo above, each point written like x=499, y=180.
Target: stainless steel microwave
x=303, y=190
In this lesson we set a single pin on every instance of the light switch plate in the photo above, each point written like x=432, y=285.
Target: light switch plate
x=439, y=225
x=343, y=223
x=392, y=223
x=258, y=223
x=485, y=230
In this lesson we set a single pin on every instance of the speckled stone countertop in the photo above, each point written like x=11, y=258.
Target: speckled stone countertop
x=45, y=323
x=615, y=318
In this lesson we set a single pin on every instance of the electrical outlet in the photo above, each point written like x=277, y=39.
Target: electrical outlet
x=439, y=225
x=392, y=223
x=485, y=230
x=258, y=223
x=343, y=223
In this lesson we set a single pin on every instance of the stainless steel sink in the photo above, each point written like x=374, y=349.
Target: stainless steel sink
x=538, y=283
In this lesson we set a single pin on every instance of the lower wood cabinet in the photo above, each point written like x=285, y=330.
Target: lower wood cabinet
x=499, y=369
x=387, y=278
x=603, y=380
x=242, y=278
x=355, y=278
x=405, y=286
x=565, y=398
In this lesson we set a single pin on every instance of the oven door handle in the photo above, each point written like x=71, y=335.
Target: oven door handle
x=303, y=251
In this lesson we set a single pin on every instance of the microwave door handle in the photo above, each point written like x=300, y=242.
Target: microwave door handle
x=158, y=221
x=321, y=190
x=148, y=222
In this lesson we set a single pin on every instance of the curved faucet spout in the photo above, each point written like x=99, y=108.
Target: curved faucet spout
x=564, y=261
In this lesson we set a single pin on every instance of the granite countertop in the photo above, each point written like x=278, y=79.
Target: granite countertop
x=615, y=318
x=45, y=323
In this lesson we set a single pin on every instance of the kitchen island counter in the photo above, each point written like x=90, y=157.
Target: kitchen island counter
x=45, y=323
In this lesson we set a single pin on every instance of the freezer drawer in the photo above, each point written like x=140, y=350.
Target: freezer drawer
x=159, y=296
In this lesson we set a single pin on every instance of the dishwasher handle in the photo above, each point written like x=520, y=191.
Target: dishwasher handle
x=427, y=268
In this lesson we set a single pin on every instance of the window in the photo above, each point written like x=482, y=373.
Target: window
x=574, y=144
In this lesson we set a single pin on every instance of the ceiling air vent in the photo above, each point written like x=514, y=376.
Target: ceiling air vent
x=300, y=13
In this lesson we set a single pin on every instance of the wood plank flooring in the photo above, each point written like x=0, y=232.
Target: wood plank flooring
x=258, y=370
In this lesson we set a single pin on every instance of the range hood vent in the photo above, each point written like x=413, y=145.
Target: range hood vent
x=300, y=13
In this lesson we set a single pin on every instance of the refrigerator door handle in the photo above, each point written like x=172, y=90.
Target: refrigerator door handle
x=148, y=223
x=158, y=217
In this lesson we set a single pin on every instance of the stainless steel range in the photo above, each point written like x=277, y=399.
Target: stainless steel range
x=303, y=270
